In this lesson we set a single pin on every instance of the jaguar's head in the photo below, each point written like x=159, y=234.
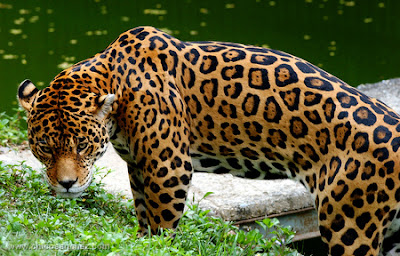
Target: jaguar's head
x=67, y=131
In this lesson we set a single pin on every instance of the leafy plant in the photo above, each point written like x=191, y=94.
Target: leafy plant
x=12, y=128
x=33, y=222
x=282, y=237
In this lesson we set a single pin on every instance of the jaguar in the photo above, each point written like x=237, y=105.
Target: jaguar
x=171, y=107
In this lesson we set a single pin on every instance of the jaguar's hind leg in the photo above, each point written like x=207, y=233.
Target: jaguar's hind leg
x=137, y=188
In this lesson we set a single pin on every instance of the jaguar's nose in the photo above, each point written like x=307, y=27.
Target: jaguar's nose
x=67, y=183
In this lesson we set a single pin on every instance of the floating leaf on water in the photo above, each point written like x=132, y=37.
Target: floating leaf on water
x=23, y=11
x=65, y=65
x=229, y=6
x=10, y=56
x=33, y=19
x=332, y=46
x=5, y=6
x=96, y=33
x=125, y=18
x=155, y=12
x=100, y=32
x=19, y=21
x=349, y=3
x=15, y=31
x=167, y=30
x=68, y=58
x=368, y=20
x=103, y=9
x=204, y=10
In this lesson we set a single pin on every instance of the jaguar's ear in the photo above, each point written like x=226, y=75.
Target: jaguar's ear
x=105, y=105
x=26, y=94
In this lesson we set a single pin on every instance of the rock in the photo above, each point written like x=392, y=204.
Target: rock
x=387, y=91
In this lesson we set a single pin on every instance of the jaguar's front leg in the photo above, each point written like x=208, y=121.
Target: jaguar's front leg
x=160, y=182
x=166, y=182
x=161, y=176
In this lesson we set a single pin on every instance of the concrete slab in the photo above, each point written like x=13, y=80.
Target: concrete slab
x=387, y=91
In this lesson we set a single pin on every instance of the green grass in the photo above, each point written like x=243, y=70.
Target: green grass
x=12, y=128
x=104, y=224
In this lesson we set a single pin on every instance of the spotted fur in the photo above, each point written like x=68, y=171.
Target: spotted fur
x=170, y=107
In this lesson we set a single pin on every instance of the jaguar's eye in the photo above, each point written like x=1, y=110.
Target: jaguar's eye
x=82, y=146
x=45, y=148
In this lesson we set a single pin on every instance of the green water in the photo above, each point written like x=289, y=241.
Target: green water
x=358, y=41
